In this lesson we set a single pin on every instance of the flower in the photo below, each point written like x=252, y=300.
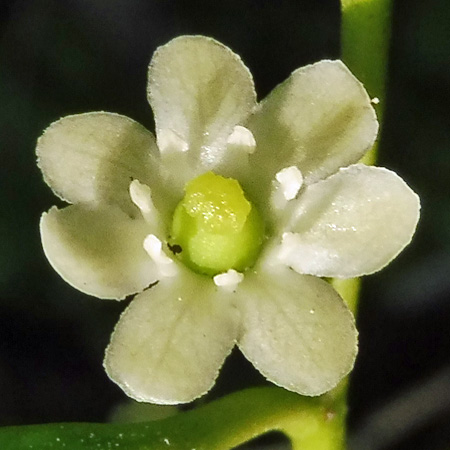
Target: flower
x=278, y=182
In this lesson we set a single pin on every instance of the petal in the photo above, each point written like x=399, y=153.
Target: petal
x=319, y=119
x=93, y=157
x=199, y=90
x=297, y=331
x=172, y=340
x=352, y=224
x=98, y=251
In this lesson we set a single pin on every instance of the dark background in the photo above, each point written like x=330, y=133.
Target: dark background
x=64, y=57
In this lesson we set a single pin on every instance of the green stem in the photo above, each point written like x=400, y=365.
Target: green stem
x=365, y=37
x=220, y=425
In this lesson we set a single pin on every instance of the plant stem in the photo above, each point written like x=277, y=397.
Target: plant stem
x=220, y=425
x=365, y=37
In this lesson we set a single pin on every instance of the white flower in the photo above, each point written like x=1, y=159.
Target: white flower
x=290, y=155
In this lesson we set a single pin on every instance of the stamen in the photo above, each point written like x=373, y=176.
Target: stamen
x=288, y=241
x=291, y=180
x=141, y=196
x=153, y=246
x=170, y=142
x=242, y=138
x=228, y=280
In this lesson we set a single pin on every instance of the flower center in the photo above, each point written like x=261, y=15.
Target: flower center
x=215, y=228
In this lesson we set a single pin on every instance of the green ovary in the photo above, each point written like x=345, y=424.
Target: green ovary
x=216, y=227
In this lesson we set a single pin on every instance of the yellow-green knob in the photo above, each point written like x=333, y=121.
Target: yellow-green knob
x=215, y=227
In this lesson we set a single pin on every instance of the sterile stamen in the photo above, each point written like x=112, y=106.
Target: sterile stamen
x=141, y=196
x=291, y=180
x=242, y=138
x=228, y=280
x=288, y=241
x=153, y=246
x=170, y=142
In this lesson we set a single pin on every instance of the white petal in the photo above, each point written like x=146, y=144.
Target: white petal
x=93, y=157
x=98, y=251
x=199, y=90
x=319, y=119
x=172, y=340
x=297, y=331
x=351, y=224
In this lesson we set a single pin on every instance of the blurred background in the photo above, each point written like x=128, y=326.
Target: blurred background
x=72, y=56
